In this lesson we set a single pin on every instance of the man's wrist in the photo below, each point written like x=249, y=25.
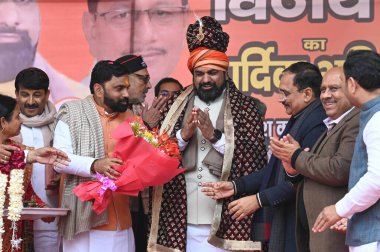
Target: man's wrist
x=184, y=138
x=234, y=186
x=258, y=200
x=30, y=157
x=92, y=168
x=217, y=135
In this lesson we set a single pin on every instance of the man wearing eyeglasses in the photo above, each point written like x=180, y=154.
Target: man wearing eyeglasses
x=325, y=168
x=138, y=84
x=151, y=28
x=268, y=189
x=138, y=87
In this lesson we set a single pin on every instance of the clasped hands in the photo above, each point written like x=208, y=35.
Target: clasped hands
x=284, y=149
x=197, y=119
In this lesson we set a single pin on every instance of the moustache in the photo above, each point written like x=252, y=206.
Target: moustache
x=10, y=29
x=34, y=106
x=329, y=100
x=124, y=100
x=207, y=84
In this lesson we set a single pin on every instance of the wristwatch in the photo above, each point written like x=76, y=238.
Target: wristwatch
x=216, y=137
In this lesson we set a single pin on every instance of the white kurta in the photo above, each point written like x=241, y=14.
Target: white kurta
x=93, y=240
x=366, y=192
x=200, y=208
x=45, y=234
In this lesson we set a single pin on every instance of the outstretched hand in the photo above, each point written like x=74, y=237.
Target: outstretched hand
x=340, y=225
x=49, y=155
x=325, y=219
x=218, y=190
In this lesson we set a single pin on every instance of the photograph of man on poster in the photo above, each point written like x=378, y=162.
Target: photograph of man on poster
x=151, y=28
x=19, y=35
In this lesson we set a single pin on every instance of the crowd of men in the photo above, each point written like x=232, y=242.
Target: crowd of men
x=322, y=174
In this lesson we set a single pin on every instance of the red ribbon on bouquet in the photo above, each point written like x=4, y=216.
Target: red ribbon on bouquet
x=144, y=165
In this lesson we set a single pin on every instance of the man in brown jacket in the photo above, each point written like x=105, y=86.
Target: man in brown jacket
x=325, y=168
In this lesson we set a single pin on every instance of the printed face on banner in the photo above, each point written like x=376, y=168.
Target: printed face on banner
x=19, y=32
x=154, y=29
x=333, y=99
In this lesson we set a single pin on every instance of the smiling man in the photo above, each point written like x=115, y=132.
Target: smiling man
x=268, y=189
x=19, y=34
x=211, y=120
x=154, y=29
x=325, y=168
x=38, y=116
x=361, y=204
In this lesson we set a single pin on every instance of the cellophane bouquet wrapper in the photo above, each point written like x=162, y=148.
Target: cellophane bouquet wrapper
x=143, y=165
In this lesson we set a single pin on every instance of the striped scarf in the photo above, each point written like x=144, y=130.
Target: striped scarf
x=87, y=139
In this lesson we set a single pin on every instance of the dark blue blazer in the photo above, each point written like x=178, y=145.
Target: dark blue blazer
x=264, y=181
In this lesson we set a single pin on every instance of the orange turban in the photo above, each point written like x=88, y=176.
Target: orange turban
x=205, y=57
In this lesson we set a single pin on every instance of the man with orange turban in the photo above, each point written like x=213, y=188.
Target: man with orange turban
x=220, y=134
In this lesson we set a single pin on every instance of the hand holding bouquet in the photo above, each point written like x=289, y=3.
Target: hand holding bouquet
x=150, y=159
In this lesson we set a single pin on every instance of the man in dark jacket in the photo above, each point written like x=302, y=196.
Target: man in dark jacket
x=299, y=93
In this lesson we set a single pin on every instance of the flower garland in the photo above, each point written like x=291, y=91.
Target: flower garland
x=3, y=185
x=15, y=169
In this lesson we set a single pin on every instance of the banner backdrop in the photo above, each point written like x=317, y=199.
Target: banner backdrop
x=65, y=38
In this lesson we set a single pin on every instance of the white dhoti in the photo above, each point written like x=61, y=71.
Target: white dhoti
x=197, y=239
x=46, y=240
x=101, y=241
x=370, y=247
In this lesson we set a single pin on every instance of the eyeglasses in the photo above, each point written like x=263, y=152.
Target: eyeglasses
x=284, y=93
x=144, y=78
x=159, y=16
x=167, y=93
